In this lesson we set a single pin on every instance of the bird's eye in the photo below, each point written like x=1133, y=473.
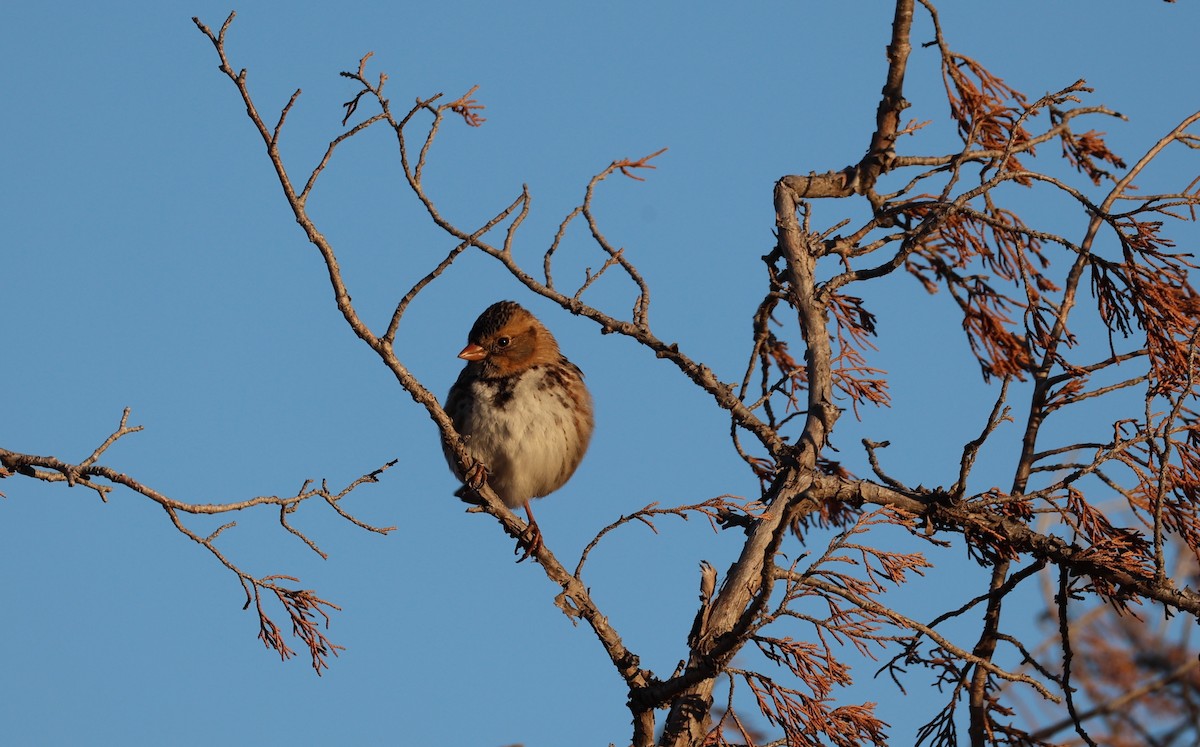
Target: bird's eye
x=503, y=342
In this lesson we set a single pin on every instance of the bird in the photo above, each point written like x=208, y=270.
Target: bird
x=523, y=410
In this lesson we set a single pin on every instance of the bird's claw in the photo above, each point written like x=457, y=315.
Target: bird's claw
x=477, y=476
x=472, y=483
x=530, y=541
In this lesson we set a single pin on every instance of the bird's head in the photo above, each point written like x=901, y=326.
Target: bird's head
x=506, y=339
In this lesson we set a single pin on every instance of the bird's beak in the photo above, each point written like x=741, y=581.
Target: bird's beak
x=473, y=352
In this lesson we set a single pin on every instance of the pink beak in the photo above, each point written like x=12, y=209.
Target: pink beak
x=473, y=352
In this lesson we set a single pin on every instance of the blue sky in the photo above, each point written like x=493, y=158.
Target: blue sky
x=149, y=261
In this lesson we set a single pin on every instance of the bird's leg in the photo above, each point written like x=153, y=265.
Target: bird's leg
x=531, y=539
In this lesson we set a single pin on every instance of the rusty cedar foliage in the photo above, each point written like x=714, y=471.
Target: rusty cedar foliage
x=1107, y=525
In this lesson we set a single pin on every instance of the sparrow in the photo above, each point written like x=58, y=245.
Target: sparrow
x=523, y=411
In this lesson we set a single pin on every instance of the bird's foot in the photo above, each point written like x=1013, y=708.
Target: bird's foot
x=530, y=541
x=472, y=484
x=477, y=476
